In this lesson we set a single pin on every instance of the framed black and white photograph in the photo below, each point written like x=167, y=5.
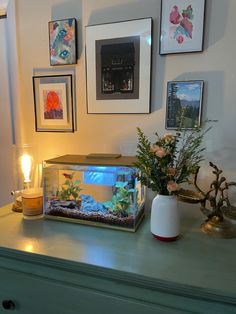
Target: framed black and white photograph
x=53, y=103
x=184, y=103
x=118, y=62
x=182, y=26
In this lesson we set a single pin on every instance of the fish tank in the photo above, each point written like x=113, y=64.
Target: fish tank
x=96, y=189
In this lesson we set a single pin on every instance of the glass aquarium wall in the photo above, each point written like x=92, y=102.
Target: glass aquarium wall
x=107, y=194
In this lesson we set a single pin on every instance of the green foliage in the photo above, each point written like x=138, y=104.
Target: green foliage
x=170, y=160
x=70, y=188
x=122, y=200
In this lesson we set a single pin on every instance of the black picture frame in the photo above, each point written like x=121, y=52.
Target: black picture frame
x=181, y=26
x=53, y=103
x=63, y=42
x=118, y=67
x=184, y=102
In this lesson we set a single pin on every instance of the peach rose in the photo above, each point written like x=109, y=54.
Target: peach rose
x=154, y=147
x=159, y=151
x=172, y=186
x=171, y=171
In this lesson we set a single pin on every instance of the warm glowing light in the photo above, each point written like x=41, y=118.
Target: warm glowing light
x=29, y=247
x=26, y=167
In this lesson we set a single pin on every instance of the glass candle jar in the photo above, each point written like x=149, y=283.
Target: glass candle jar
x=32, y=203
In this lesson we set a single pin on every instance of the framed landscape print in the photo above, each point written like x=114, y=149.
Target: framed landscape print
x=118, y=60
x=53, y=103
x=182, y=26
x=62, y=42
x=184, y=101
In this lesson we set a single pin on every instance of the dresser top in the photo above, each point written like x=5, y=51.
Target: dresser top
x=195, y=260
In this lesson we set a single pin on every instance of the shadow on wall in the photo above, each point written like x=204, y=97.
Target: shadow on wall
x=213, y=94
x=70, y=9
x=135, y=10
x=217, y=10
x=212, y=106
x=219, y=148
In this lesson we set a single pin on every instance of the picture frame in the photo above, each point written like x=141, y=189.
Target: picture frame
x=118, y=64
x=53, y=103
x=63, y=41
x=184, y=102
x=181, y=26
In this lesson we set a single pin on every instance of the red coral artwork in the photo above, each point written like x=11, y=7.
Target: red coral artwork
x=53, y=106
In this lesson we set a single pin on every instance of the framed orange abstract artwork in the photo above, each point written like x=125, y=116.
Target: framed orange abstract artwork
x=53, y=103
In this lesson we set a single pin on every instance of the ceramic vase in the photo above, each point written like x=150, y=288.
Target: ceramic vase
x=165, y=218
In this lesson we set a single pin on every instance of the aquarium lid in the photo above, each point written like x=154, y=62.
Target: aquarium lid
x=98, y=161
x=103, y=156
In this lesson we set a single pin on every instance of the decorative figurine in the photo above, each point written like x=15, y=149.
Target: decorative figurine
x=217, y=198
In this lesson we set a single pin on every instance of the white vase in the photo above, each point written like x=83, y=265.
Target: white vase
x=165, y=219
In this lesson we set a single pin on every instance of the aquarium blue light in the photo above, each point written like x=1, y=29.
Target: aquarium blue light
x=100, y=175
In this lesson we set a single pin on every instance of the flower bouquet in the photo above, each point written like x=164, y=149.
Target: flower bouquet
x=164, y=165
x=170, y=160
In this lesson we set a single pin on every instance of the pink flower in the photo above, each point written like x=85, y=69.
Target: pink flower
x=172, y=186
x=159, y=151
x=171, y=171
x=175, y=15
x=154, y=147
x=179, y=39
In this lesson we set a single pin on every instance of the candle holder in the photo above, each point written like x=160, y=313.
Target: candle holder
x=32, y=203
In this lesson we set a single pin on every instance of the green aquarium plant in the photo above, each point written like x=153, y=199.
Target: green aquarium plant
x=122, y=200
x=70, y=188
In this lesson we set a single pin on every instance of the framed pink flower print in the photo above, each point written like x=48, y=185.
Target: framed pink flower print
x=182, y=26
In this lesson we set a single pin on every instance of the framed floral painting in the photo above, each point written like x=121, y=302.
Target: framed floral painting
x=53, y=103
x=182, y=26
x=184, y=102
x=62, y=42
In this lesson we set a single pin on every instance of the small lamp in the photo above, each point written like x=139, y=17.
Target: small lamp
x=26, y=168
x=24, y=174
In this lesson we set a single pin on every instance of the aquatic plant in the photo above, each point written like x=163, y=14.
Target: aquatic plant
x=122, y=200
x=70, y=189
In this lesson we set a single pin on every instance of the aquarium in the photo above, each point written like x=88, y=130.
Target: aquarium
x=97, y=189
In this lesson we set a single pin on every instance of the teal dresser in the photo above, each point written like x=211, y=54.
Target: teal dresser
x=53, y=267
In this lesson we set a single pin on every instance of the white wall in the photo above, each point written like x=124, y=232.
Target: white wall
x=6, y=149
x=114, y=133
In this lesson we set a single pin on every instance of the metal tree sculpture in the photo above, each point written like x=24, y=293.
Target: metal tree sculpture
x=219, y=202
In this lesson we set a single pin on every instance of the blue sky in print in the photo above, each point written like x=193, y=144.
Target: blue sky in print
x=189, y=91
